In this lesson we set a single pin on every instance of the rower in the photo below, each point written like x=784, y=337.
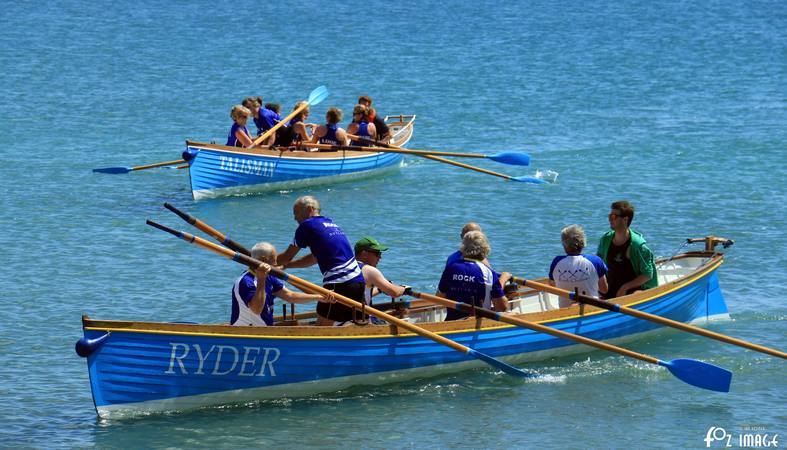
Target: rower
x=361, y=127
x=253, y=292
x=239, y=134
x=470, y=280
x=383, y=132
x=331, y=250
x=368, y=253
x=585, y=274
x=331, y=133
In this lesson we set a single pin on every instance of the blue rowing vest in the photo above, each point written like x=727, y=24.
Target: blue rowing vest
x=330, y=135
x=363, y=131
x=232, y=141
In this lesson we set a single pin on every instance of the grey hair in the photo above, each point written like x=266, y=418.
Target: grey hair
x=262, y=250
x=475, y=245
x=573, y=237
x=307, y=201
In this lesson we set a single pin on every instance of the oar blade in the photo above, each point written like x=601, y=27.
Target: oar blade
x=511, y=158
x=319, y=94
x=700, y=374
x=507, y=368
x=113, y=170
x=529, y=180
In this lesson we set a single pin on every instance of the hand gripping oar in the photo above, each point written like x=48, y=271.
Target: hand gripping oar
x=317, y=95
x=227, y=242
x=130, y=169
x=511, y=158
x=311, y=287
x=647, y=316
x=693, y=372
x=522, y=179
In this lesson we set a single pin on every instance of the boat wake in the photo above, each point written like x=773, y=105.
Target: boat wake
x=547, y=175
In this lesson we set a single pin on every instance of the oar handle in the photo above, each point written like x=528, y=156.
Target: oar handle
x=486, y=313
x=647, y=316
x=214, y=233
x=161, y=164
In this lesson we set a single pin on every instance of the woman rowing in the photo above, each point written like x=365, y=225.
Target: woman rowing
x=330, y=133
x=361, y=126
x=239, y=134
x=296, y=131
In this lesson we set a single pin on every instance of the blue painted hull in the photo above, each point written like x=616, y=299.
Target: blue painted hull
x=144, y=367
x=217, y=171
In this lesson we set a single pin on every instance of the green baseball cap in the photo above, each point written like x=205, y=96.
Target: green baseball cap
x=367, y=243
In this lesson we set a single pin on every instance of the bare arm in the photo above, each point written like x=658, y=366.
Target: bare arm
x=603, y=286
x=318, y=133
x=341, y=137
x=306, y=261
x=287, y=255
x=296, y=297
x=635, y=283
x=243, y=138
x=258, y=301
x=372, y=131
x=376, y=279
x=500, y=303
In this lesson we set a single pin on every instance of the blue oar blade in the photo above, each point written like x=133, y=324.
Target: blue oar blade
x=529, y=180
x=507, y=368
x=512, y=158
x=700, y=374
x=318, y=95
x=113, y=170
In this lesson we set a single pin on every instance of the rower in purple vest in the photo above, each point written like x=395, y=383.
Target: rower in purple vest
x=239, y=134
x=331, y=133
x=331, y=250
x=361, y=127
x=470, y=280
x=383, y=131
x=253, y=292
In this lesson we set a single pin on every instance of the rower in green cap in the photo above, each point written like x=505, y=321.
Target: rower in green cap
x=368, y=253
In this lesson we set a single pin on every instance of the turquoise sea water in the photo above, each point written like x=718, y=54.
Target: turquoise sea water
x=680, y=108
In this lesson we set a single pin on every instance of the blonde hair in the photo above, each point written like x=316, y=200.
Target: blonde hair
x=239, y=111
x=475, y=245
x=305, y=110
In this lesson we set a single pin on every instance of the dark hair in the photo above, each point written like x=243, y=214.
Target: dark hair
x=626, y=210
x=250, y=102
x=275, y=107
x=334, y=115
x=365, y=98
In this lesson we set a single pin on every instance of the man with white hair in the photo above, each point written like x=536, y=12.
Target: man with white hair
x=585, y=273
x=253, y=292
x=470, y=280
x=331, y=250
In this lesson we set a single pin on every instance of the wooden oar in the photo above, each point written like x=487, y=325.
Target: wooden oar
x=311, y=287
x=693, y=372
x=512, y=158
x=130, y=169
x=214, y=233
x=315, y=97
x=391, y=148
x=647, y=316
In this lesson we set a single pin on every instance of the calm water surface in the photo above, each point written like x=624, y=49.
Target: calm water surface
x=680, y=108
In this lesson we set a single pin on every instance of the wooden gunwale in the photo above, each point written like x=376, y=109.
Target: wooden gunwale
x=387, y=331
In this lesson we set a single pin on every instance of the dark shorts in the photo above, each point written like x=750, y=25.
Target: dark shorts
x=338, y=312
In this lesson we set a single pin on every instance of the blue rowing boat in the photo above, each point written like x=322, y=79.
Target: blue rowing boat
x=141, y=367
x=218, y=170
